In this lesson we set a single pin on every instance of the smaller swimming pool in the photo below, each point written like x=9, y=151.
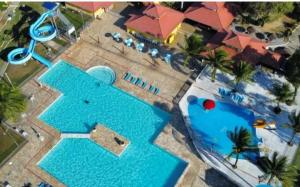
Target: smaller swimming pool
x=212, y=126
x=103, y=73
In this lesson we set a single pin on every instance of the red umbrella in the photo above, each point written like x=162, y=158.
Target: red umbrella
x=209, y=104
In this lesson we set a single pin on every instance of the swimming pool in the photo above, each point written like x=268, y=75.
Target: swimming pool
x=211, y=126
x=81, y=162
x=103, y=73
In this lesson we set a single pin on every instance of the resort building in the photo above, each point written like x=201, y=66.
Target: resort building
x=243, y=47
x=214, y=15
x=95, y=9
x=157, y=23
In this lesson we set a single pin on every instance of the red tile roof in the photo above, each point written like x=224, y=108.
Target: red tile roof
x=91, y=6
x=242, y=47
x=156, y=20
x=238, y=41
x=215, y=15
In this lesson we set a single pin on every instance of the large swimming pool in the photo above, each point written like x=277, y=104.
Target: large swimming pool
x=211, y=127
x=81, y=162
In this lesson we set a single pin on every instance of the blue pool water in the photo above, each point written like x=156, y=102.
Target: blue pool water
x=103, y=73
x=81, y=162
x=212, y=126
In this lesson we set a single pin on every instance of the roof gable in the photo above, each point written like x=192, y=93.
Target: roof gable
x=156, y=11
x=91, y=6
x=237, y=41
x=157, y=20
x=219, y=18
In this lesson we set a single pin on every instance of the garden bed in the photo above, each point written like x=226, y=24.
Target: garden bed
x=9, y=142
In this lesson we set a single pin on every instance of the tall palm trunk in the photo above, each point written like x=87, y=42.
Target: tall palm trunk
x=270, y=179
x=213, y=74
x=236, y=160
x=295, y=92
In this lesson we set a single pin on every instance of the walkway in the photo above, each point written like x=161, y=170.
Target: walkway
x=74, y=135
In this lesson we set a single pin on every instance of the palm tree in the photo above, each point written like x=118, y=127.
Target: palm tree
x=12, y=102
x=193, y=47
x=277, y=167
x=241, y=139
x=243, y=72
x=283, y=94
x=218, y=60
x=294, y=124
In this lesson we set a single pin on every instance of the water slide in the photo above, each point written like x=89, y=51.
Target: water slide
x=38, y=32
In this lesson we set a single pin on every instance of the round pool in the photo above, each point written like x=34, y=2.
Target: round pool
x=103, y=73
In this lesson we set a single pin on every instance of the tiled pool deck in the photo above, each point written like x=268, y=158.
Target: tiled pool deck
x=86, y=54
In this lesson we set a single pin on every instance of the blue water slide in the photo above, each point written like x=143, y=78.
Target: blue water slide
x=38, y=32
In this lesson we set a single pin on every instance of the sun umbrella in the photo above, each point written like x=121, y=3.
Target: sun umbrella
x=209, y=104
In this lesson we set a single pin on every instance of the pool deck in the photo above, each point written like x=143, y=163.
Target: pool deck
x=87, y=53
x=107, y=138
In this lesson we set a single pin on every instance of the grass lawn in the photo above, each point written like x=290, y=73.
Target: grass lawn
x=60, y=41
x=277, y=25
x=18, y=73
x=3, y=6
x=75, y=17
x=7, y=142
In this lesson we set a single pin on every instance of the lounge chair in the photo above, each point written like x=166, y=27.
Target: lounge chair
x=138, y=81
x=238, y=99
x=156, y=91
x=144, y=84
x=151, y=88
x=132, y=79
x=126, y=76
x=271, y=126
x=223, y=92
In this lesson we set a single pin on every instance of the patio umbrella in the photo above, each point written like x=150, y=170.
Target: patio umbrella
x=209, y=104
x=128, y=42
x=154, y=52
x=116, y=36
x=168, y=58
x=140, y=46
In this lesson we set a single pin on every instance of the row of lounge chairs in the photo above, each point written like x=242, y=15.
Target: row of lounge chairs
x=138, y=81
x=237, y=98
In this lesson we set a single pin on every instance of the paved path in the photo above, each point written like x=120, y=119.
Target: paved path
x=74, y=135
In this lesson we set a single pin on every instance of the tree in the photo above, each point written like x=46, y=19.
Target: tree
x=243, y=72
x=283, y=94
x=193, y=47
x=294, y=124
x=241, y=139
x=170, y=4
x=267, y=11
x=218, y=60
x=292, y=71
x=277, y=167
x=12, y=102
